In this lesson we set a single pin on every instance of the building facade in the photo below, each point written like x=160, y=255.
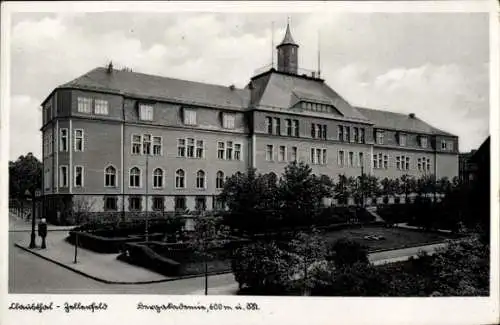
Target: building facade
x=112, y=138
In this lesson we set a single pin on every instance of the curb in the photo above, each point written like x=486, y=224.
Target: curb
x=109, y=281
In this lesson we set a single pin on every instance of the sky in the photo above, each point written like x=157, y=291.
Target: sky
x=435, y=65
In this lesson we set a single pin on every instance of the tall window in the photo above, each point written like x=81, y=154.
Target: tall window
x=221, y=149
x=181, y=147
x=63, y=176
x=380, y=137
x=318, y=156
x=313, y=130
x=200, y=179
x=351, y=159
x=200, y=203
x=189, y=117
x=228, y=121
x=398, y=162
x=237, y=151
x=402, y=140
x=190, y=147
x=145, y=112
x=293, y=154
x=110, y=176
x=101, y=107
x=423, y=141
x=229, y=150
x=78, y=140
x=277, y=126
x=340, y=158
x=282, y=153
x=355, y=134
x=347, y=134
x=84, y=105
x=407, y=163
x=180, y=179
x=361, y=161
x=269, y=152
x=136, y=144
x=324, y=134
x=146, y=144
x=78, y=176
x=428, y=164
x=63, y=140
x=295, y=128
x=340, y=133
x=324, y=157
x=288, y=126
x=135, y=177
x=269, y=125
x=180, y=203
x=386, y=162
x=158, y=178
x=110, y=203
x=362, y=135
x=158, y=203
x=419, y=164
x=134, y=203
x=200, y=149
x=157, y=144
x=313, y=156
x=219, y=179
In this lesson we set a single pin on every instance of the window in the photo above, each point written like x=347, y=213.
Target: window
x=47, y=179
x=179, y=179
x=228, y=121
x=282, y=153
x=313, y=130
x=351, y=159
x=380, y=137
x=295, y=128
x=428, y=164
x=135, y=177
x=380, y=161
x=288, y=126
x=407, y=165
x=269, y=125
x=450, y=145
x=419, y=164
x=277, y=126
x=318, y=156
x=355, y=134
x=403, y=162
x=269, y=152
x=110, y=176
x=219, y=179
x=386, y=162
x=340, y=158
x=237, y=151
x=347, y=134
x=398, y=162
x=361, y=161
x=63, y=176
x=200, y=203
x=423, y=142
x=190, y=147
x=293, y=155
x=200, y=152
x=318, y=131
x=158, y=203
x=324, y=157
x=135, y=203
x=101, y=107
x=218, y=204
x=78, y=176
x=313, y=156
x=402, y=140
x=181, y=147
x=340, y=132
x=63, y=140
x=362, y=135
x=158, y=178
x=145, y=112
x=229, y=150
x=110, y=203
x=136, y=144
x=189, y=117
x=146, y=144
x=323, y=135
x=200, y=179
x=180, y=203
x=79, y=140
x=221, y=150
x=84, y=105
x=157, y=141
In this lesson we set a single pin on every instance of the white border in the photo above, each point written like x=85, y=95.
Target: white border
x=294, y=310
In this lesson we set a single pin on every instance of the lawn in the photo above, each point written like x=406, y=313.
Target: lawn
x=394, y=237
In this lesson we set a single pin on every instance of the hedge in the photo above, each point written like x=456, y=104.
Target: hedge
x=103, y=244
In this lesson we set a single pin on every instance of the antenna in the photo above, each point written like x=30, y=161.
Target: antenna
x=272, y=44
x=319, y=55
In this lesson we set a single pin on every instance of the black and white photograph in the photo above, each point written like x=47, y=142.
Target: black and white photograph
x=315, y=153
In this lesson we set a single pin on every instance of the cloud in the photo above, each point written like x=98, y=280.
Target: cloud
x=25, y=121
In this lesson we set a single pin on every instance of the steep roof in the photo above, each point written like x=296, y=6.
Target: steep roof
x=398, y=121
x=288, y=39
x=161, y=88
x=283, y=90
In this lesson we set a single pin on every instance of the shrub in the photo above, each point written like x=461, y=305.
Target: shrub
x=346, y=252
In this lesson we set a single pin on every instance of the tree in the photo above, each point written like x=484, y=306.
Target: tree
x=407, y=185
x=386, y=185
x=25, y=174
x=81, y=209
x=301, y=195
x=341, y=190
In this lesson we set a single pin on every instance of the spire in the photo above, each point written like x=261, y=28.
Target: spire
x=288, y=39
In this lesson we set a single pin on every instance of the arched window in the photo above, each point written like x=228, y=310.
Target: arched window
x=110, y=176
x=135, y=177
x=179, y=179
x=158, y=178
x=200, y=179
x=219, y=180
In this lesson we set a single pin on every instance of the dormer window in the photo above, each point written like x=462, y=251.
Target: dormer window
x=402, y=139
x=228, y=121
x=189, y=116
x=380, y=136
x=423, y=142
x=145, y=112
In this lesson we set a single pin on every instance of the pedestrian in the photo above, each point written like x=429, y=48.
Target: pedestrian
x=42, y=231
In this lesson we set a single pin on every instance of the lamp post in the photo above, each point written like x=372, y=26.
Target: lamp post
x=31, y=196
x=362, y=187
x=146, y=230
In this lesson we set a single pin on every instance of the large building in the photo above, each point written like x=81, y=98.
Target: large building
x=112, y=137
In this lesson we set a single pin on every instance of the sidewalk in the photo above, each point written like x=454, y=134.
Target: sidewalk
x=406, y=226
x=101, y=267
x=19, y=224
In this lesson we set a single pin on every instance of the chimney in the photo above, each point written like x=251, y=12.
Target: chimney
x=110, y=67
x=313, y=74
x=231, y=87
x=250, y=85
x=412, y=115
